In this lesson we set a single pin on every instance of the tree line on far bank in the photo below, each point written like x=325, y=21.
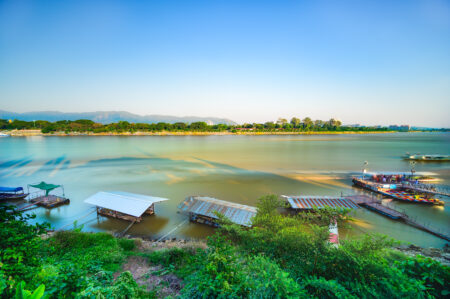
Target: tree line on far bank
x=85, y=126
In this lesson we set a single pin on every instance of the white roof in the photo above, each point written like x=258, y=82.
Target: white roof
x=123, y=202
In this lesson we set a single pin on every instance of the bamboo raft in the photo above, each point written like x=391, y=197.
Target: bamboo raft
x=49, y=201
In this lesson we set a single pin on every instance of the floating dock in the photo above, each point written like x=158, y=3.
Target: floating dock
x=50, y=201
x=43, y=198
x=203, y=210
x=376, y=206
x=124, y=205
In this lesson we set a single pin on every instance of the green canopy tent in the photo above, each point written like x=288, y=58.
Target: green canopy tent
x=46, y=187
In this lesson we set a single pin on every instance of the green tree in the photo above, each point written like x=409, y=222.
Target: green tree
x=19, y=244
x=295, y=122
x=307, y=123
x=281, y=121
x=199, y=126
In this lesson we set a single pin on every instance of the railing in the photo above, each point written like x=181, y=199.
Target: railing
x=41, y=193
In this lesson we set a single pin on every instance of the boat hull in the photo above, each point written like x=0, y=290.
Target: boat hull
x=9, y=196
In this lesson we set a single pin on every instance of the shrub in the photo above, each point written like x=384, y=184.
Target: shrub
x=435, y=277
x=265, y=279
x=19, y=246
x=124, y=287
x=127, y=244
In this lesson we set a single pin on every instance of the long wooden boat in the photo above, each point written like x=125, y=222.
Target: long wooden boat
x=427, y=158
x=7, y=193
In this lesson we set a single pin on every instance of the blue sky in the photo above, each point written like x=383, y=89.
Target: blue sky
x=369, y=62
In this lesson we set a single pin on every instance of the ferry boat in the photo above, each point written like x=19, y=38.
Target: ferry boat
x=396, y=191
x=428, y=158
x=4, y=135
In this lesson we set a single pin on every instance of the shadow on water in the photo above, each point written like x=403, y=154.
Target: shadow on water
x=8, y=167
x=18, y=168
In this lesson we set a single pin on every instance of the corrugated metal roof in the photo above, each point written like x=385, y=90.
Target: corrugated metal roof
x=237, y=213
x=123, y=202
x=310, y=202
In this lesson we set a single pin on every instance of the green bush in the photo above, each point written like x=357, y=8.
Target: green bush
x=223, y=273
x=265, y=279
x=360, y=268
x=127, y=244
x=219, y=274
x=434, y=276
x=124, y=287
x=19, y=247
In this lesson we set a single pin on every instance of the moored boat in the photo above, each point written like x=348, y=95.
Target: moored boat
x=427, y=158
x=396, y=191
x=12, y=193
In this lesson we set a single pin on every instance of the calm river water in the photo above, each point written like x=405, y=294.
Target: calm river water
x=233, y=168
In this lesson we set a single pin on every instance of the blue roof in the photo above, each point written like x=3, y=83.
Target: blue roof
x=11, y=189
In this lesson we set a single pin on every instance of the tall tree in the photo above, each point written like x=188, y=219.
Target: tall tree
x=307, y=123
x=295, y=122
x=281, y=121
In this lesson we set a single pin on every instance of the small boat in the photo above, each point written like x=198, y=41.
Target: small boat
x=4, y=135
x=12, y=193
x=430, y=158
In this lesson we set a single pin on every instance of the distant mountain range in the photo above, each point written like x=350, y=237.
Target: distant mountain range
x=106, y=117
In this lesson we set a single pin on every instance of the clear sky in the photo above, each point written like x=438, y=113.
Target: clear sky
x=368, y=62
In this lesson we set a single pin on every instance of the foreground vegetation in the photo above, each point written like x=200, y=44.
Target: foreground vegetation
x=280, y=257
x=88, y=126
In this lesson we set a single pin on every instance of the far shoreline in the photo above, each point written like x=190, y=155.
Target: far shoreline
x=26, y=133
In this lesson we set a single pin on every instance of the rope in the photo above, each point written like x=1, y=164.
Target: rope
x=76, y=220
x=172, y=230
x=128, y=227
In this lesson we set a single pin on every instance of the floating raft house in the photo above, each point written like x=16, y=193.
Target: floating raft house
x=201, y=210
x=47, y=200
x=124, y=205
x=319, y=202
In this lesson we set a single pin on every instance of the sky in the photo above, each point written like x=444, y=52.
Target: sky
x=366, y=62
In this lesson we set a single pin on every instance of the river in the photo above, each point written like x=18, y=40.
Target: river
x=233, y=168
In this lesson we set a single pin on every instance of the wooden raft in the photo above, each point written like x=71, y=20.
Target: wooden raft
x=50, y=201
x=119, y=215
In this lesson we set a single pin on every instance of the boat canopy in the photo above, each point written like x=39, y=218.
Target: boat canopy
x=124, y=202
x=11, y=189
x=44, y=186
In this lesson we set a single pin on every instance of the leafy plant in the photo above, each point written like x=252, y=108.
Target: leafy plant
x=21, y=293
x=435, y=277
x=19, y=245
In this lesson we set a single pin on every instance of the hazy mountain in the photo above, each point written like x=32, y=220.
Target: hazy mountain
x=110, y=117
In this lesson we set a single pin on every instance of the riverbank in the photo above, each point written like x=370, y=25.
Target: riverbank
x=24, y=133
x=286, y=257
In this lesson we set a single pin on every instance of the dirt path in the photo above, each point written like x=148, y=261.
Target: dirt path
x=152, y=277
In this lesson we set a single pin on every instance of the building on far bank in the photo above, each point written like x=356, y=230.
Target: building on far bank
x=402, y=128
